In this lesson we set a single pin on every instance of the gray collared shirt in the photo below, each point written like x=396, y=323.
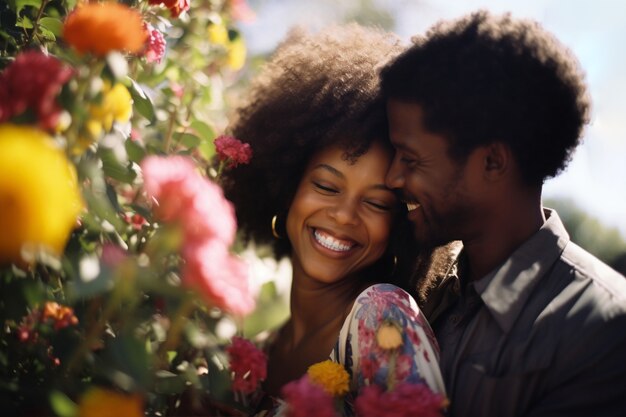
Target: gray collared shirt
x=544, y=334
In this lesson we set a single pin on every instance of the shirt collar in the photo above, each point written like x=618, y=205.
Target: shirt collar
x=506, y=289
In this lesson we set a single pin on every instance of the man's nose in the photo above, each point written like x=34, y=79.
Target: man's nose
x=395, y=174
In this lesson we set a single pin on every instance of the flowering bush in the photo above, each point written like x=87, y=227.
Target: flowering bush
x=117, y=247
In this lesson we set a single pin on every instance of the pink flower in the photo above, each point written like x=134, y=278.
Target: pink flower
x=406, y=400
x=306, y=399
x=232, y=150
x=186, y=197
x=33, y=82
x=247, y=363
x=155, y=45
x=176, y=7
x=112, y=255
x=219, y=276
x=242, y=11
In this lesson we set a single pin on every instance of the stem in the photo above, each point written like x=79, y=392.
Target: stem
x=176, y=328
x=44, y=3
x=391, y=375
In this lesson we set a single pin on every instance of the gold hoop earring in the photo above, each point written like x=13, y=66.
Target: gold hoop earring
x=274, y=232
x=395, y=265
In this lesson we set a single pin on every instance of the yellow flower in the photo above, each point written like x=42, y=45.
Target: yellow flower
x=218, y=34
x=116, y=105
x=389, y=336
x=39, y=195
x=99, y=402
x=331, y=376
x=236, y=54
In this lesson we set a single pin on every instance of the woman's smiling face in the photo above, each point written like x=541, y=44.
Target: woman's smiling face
x=341, y=215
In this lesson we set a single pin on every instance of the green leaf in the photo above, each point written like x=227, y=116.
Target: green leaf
x=47, y=34
x=24, y=22
x=113, y=168
x=188, y=139
x=20, y=4
x=142, y=102
x=203, y=130
x=62, y=405
x=53, y=24
x=135, y=151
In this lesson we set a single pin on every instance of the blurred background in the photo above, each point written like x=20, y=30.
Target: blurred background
x=591, y=194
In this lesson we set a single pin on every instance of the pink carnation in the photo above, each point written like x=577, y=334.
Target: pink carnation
x=33, y=81
x=232, y=150
x=176, y=7
x=247, y=363
x=242, y=11
x=155, y=45
x=306, y=399
x=185, y=196
x=219, y=276
x=406, y=400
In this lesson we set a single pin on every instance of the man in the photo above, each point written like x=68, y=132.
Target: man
x=481, y=112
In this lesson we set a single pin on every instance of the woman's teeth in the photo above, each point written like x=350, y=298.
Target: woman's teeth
x=331, y=243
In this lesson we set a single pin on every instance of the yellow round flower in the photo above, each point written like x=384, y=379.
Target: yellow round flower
x=39, y=195
x=389, y=336
x=236, y=54
x=218, y=34
x=116, y=105
x=99, y=402
x=331, y=376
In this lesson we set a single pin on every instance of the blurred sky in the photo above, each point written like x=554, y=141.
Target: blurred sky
x=596, y=32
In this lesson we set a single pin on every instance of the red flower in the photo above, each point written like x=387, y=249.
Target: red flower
x=33, y=81
x=306, y=399
x=405, y=400
x=176, y=7
x=155, y=45
x=247, y=363
x=232, y=150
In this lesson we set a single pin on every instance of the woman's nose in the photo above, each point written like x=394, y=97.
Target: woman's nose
x=395, y=174
x=345, y=211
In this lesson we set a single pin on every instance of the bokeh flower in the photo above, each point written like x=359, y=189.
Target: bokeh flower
x=116, y=105
x=39, y=195
x=242, y=11
x=236, y=56
x=100, y=28
x=232, y=151
x=184, y=197
x=33, y=81
x=176, y=7
x=331, y=376
x=218, y=34
x=306, y=399
x=248, y=364
x=155, y=45
x=100, y=402
x=60, y=316
x=405, y=400
x=219, y=276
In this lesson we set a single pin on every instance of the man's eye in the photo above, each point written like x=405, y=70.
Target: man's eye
x=408, y=161
x=324, y=188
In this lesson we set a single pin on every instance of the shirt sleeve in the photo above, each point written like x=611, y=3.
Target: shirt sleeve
x=415, y=361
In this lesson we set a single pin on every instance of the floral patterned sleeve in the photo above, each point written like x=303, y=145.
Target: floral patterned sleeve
x=416, y=360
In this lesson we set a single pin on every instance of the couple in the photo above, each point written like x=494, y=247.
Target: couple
x=349, y=131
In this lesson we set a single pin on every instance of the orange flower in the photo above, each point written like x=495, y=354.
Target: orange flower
x=99, y=402
x=100, y=28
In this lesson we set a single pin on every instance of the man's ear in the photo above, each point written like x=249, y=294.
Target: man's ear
x=497, y=158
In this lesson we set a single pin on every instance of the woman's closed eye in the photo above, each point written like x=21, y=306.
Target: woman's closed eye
x=379, y=205
x=325, y=188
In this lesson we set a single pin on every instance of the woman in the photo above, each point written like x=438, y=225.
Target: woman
x=315, y=190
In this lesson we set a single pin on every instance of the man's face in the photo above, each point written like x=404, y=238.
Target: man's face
x=436, y=188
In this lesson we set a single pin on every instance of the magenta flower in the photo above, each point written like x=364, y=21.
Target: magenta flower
x=33, y=82
x=306, y=399
x=405, y=400
x=232, y=150
x=219, y=276
x=247, y=363
x=155, y=45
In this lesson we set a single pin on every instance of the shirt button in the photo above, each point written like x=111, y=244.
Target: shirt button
x=455, y=319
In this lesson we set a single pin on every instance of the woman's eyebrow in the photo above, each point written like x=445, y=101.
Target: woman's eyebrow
x=330, y=169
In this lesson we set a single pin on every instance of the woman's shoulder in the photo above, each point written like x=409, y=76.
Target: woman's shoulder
x=385, y=301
